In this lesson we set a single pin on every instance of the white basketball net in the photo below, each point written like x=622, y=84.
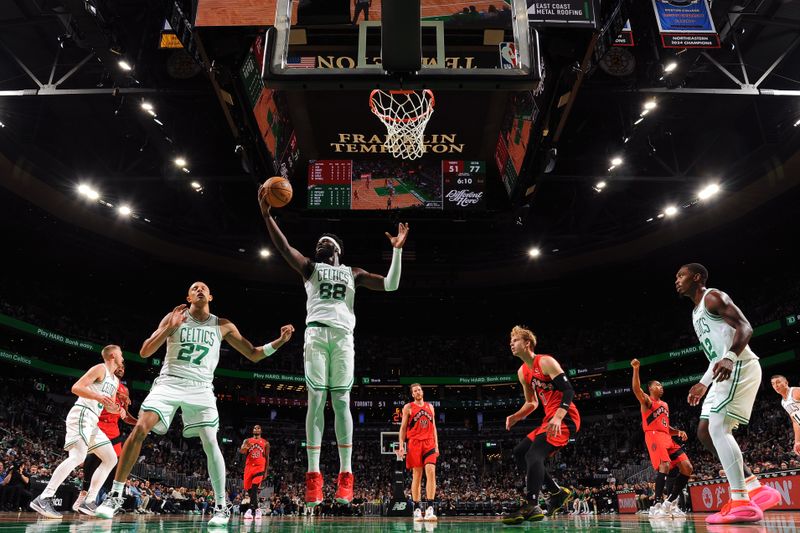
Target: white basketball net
x=405, y=115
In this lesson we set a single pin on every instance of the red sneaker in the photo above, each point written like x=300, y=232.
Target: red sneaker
x=344, y=488
x=765, y=497
x=313, y=489
x=736, y=511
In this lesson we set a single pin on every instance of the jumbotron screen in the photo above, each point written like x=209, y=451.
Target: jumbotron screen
x=395, y=184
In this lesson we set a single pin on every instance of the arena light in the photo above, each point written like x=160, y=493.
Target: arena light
x=534, y=252
x=600, y=185
x=185, y=170
x=3, y=125
x=616, y=161
x=84, y=189
x=669, y=67
x=264, y=253
x=147, y=106
x=671, y=211
x=124, y=210
x=638, y=121
x=650, y=105
x=124, y=65
x=795, y=124
x=158, y=122
x=708, y=191
x=644, y=112
x=180, y=161
x=93, y=194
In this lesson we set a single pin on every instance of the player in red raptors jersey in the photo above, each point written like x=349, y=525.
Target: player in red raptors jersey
x=109, y=424
x=419, y=427
x=544, y=381
x=255, y=469
x=665, y=454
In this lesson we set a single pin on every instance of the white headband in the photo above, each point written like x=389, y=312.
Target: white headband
x=333, y=242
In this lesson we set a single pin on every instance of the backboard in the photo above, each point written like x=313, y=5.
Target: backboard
x=465, y=45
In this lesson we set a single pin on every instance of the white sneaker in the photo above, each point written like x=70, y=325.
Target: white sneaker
x=222, y=514
x=675, y=511
x=248, y=515
x=79, y=501
x=654, y=509
x=418, y=514
x=258, y=514
x=109, y=507
x=663, y=511
x=429, y=514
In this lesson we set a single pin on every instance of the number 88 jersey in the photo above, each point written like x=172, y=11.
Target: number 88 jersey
x=193, y=349
x=330, y=294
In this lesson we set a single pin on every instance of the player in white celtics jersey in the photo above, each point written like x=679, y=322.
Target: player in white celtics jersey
x=193, y=338
x=732, y=381
x=329, y=357
x=790, y=401
x=96, y=389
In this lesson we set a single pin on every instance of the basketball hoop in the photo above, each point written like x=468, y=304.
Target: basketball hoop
x=405, y=115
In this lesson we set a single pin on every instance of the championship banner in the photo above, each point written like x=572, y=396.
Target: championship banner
x=571, y=13
x=711, y=495
x=625, y=37
x=685, y=24
x=626, y=502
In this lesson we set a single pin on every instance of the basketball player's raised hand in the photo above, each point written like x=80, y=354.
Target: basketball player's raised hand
x=402, y=233
x=635, y=363
x=263, y=204
x=177, y=317
x=286, y=332
x=696, y=393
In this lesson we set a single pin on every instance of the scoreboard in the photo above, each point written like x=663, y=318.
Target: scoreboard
x=395, y=184
x=329, y=184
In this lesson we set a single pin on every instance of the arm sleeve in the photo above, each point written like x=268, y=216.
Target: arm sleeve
x=708, y=377
x=392, y=280
x=561, y=383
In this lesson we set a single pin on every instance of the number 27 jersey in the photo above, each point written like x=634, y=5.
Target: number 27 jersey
x=330, y=292
x=193, y=349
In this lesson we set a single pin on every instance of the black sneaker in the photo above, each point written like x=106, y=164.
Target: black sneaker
x=44, y=506
x=529, y=512
x=558, y=501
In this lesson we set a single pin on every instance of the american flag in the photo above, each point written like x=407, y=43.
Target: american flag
x=301, y=62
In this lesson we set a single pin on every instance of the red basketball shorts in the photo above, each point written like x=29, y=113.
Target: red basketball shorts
x=663, y=449
x=420, y=453
x=254, y=474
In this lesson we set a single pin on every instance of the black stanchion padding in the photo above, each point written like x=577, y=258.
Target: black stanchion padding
x=401, y=35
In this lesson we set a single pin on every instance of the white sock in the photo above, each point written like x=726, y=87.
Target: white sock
x=315, y=425
x=730, y=455
x=77, y=454
x=108, y=461
x=216, y=463
x=752, y=483
x=344, y=428
x=117, y=487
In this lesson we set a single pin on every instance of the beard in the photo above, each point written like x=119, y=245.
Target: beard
x=323, y=255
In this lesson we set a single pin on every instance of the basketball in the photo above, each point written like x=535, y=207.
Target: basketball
x=277, y=191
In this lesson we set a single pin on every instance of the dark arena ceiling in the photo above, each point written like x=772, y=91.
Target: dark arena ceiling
x=72, y=116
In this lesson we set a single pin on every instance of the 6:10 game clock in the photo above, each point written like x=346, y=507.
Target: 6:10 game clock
x=463, y=184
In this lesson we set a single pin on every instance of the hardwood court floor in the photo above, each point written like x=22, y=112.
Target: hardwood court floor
x=779, y=521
